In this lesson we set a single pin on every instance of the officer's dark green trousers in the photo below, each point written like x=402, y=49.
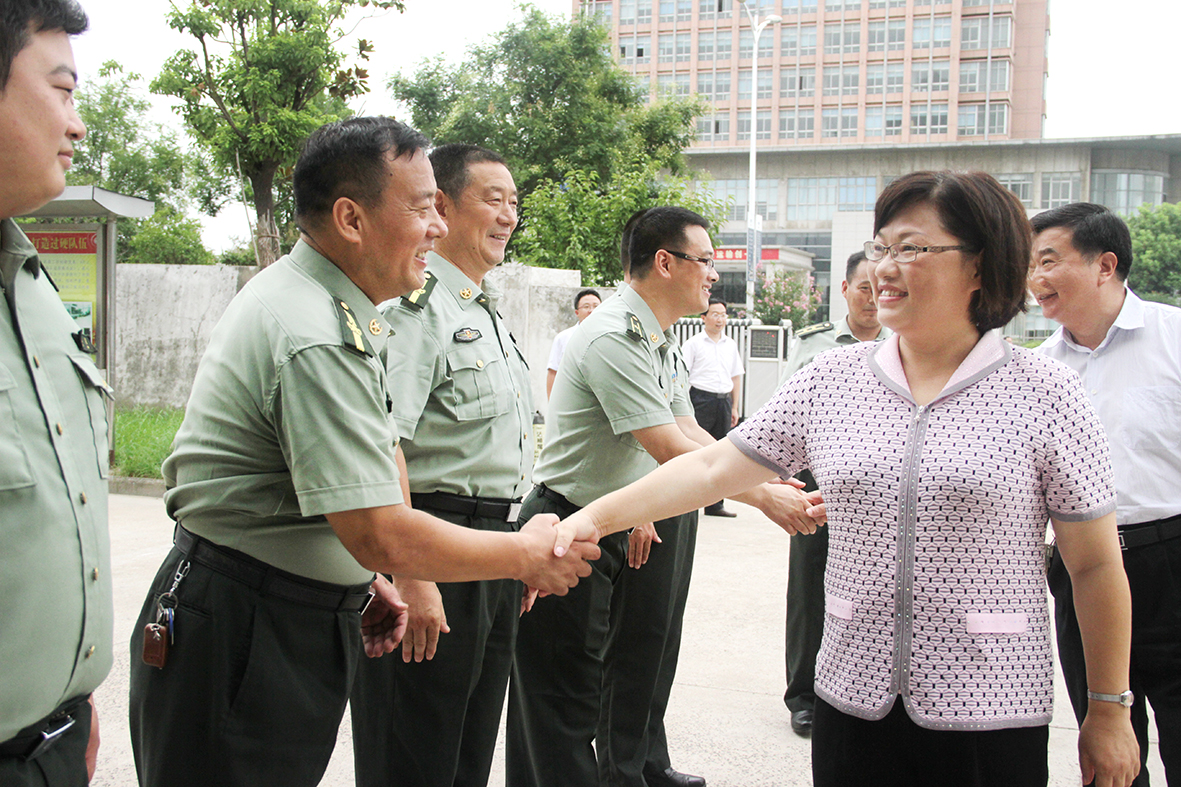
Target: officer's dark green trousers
x=434, y=723
x=806, y=560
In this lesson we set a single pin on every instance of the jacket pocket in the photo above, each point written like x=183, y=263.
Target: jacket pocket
x=15, y=472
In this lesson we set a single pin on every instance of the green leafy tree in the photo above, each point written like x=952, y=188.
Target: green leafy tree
x=574, y=222
x=785, y=296
x=1156, y=248
x=255, y=88
x=171, y=238
x=546, y=94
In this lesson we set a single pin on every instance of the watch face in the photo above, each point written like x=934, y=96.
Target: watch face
x=1126, y=699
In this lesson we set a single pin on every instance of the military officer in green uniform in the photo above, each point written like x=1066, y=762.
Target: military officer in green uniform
x=464, y=412
x=55, y=568
x=611, y=420
x=285, y=487
x=809, y=553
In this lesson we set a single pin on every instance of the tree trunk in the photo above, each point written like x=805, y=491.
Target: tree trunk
x=266, y=232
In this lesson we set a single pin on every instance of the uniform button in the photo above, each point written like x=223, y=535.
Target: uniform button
x=58, y=427
x=82, y=497
x=479, y=364
x=90, y=651
x=94, y=575
x=36, y=361
x=1094, y=391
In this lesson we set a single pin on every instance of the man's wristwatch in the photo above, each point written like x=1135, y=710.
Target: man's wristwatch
x=1124, y=699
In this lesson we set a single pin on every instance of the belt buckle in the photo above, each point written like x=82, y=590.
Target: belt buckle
x=514, y=512
x=1120, y=535
x=50, y=737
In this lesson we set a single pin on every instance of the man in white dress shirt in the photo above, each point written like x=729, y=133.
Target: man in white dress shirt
x=585, y=302
x=715, y=380
x=1128, y=353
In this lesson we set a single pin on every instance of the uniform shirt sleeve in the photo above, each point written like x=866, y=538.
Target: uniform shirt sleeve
x=1076, y=470
x=620, y=374
x=775, y=436
x=335, y=431
x=681, y=404
x=416, y=367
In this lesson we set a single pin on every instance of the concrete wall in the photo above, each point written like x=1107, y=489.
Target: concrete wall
x=165, y=313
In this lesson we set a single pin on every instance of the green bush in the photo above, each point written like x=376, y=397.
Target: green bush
x=143, y=439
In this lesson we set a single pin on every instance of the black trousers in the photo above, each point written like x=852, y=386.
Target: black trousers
x=805, y=611
x=647, y=611
x=61, y=765
x=896, y=752
x=713, y=415
x=435, y=722
x=1154, y=576
x=557, y=680
x=253, y=691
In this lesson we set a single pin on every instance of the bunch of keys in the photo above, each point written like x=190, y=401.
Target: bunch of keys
x=160, y=636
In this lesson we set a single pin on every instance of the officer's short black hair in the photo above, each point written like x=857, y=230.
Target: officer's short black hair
x=347, y=158
x=660, y=228
x=1094, y=229
x=855, y=259
x=583, y=293
x=451, y=163
x=625, y=239
x=20, y=19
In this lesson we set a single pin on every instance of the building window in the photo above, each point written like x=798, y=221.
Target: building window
x=856, y=193
x=840, y=38
x=875, y=37
x=684, y=10
x=664, y=85
x=1020, y=184
x=722, y=86
x=1060, y=188
x=797, y=82
x=684, y=47
x=736, y=192
x=850, y=79
x=681, y=85
x=933, y=33
x=930, y=76
x=664, y=52
x=998, y=118
x=627, y=49
x=713, y=87
x=894, y=77
x=745, y=87
x=743, y=120
x=977, y=77
x=723, y=45
x=971, y=120
x=714, y=9
x=832, y=80
x=893, y=121
x=705, y=46
x=666, y=10
x=875, y=78
x=765, y=88
x=601, y=10
x=627, y=12
x=849, y=121
x=715, y=128
x=842, y=5
x=926, y=119
x=763, y=124
x=873, y=122
x=830, y=122
x=896, y=35
x=1124, y=192
x=644, y=12
x=818, y=199
x=799, y=6
x=797, y=123
x=797, y=40
x=976, y=34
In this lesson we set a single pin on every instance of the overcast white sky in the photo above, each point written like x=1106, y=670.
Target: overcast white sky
x=1109, y=63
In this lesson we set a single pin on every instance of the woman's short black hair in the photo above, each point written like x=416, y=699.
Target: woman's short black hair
x=983, y=215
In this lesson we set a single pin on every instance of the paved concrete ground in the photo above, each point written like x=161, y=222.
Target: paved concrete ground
x=726, y=720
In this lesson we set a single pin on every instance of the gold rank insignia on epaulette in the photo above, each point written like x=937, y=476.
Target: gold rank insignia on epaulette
x=351, y=335
x=417, y=299
x=812, y=330
x=635, y=329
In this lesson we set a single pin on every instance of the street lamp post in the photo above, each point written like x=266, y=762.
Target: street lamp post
x=754, y=243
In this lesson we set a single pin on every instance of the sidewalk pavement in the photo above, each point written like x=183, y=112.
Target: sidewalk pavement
x=726, y=720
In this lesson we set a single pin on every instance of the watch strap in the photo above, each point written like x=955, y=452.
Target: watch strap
x=1125, y=699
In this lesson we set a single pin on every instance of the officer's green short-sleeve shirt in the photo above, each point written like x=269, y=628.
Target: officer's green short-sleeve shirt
x=56, y=614
x=618, y=374
x=815, y=339
x=463, y=405
x=289, y=420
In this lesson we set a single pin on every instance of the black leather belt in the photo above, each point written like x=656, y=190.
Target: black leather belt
x=491, y=507
x=558, y=498
x=710, y=394
x=36, y=738
x=267, y=579
x=1142, y=534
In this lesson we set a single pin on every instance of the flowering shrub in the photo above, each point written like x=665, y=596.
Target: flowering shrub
x=785, y=296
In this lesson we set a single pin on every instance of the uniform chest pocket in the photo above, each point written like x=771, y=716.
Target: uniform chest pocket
x=479, y=382
x=95, y=388
x=15, y=472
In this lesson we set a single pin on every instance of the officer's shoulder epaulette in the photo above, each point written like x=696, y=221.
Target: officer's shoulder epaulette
x=350, y=332
x=417, y=299
x=635, y=329
x=812, y=330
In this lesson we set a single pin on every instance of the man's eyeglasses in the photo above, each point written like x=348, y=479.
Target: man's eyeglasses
x=709, y=263
x=903, y=252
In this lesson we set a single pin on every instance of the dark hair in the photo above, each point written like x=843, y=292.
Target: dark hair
x=713, y=301
x=625, y=239
x=348, y=159
x=660, y=228
x=1094, y=230
x=988, y=219
x=19, y=19
x=451, y=163
x=583, y=293
x=855, y=259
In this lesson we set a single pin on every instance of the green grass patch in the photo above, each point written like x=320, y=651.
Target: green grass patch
x=143, y=439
